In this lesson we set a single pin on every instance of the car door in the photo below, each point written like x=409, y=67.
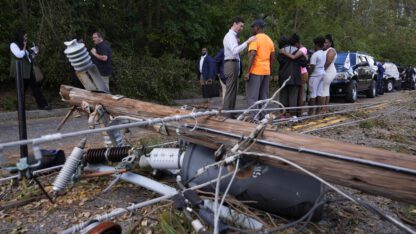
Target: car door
x=368, y=72
x=373, y=67
x=362, y=73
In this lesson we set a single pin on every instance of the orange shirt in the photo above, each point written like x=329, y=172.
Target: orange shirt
x=263, y=47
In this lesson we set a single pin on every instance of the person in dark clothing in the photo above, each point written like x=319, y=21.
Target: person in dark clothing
x=219, y=61
x=302, y=52
x=20, y=52
x=206, y=71
x=409, y=80
x=410, y=72
x=380, y=73
x=206, y=67
x=289, y=69
x=102, y=57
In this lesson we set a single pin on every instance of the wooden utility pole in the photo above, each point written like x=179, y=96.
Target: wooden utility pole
x=375, y=180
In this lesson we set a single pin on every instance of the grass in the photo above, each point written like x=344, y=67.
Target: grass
x=173, y=222
x=366, y=124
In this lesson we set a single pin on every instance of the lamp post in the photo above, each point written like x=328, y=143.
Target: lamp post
x=21, y=110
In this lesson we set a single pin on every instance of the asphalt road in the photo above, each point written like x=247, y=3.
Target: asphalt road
x=9, y=131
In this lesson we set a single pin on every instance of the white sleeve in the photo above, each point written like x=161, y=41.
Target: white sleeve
x=16, y=51
x=313, y=59
x=238, y=48
x=233, y=45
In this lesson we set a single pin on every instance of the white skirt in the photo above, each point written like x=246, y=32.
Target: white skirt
x=329, y=76
x=314, y=84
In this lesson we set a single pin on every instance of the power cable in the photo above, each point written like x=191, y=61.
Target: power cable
x=216, y=218
x=121, y=211
x=369, y=207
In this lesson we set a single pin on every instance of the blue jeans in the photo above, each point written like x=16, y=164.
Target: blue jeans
x=379, y=85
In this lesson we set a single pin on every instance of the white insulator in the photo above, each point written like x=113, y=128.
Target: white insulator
x=197, y=225
x=78, y=55
x=163, y=158
x=69, y=167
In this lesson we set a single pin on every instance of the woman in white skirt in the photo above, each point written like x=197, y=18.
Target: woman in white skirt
x=317, y=71
x=330, y=73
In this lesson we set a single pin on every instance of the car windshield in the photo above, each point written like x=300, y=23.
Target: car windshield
x=340, y=61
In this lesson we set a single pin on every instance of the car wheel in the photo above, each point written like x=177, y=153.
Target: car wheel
x=351, y=93
x=372, y=91
x=390, y=86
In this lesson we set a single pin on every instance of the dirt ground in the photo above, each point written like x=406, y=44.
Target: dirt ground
x=392, y=129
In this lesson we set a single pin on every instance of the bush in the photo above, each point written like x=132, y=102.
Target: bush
x=158, y=79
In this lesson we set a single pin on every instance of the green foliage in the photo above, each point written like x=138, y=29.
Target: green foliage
x=145, y=77
x=8, y=102
x=170, y=34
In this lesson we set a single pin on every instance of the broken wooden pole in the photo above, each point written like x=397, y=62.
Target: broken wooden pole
x=397, y=185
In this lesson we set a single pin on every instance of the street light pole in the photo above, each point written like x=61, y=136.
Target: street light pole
x=21, y=110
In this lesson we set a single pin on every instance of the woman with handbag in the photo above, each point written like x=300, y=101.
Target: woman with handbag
x=20, y=52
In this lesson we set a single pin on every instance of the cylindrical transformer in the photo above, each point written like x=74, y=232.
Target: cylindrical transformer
x=163, y=158
x=275, y=190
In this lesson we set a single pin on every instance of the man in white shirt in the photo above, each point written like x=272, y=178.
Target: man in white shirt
x=232, y=62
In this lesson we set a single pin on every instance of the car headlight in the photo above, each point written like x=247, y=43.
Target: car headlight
x=341, y=76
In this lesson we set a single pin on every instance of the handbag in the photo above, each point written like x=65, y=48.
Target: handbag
x=38, y=73
x=210, y=89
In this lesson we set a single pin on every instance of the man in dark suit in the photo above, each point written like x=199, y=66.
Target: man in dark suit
x=206, y=71
x=219, y=60
x=206, y=67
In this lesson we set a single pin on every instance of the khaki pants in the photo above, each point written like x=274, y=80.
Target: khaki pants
x=231, y=70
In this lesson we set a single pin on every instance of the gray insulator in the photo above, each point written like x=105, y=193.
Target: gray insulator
x=69, y=167
x=78, y=55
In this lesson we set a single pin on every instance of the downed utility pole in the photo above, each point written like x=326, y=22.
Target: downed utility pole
x=358, y=169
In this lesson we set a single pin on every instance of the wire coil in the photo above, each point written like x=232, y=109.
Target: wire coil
x=100, y=155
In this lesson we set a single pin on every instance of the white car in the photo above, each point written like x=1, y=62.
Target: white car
x=391, y=76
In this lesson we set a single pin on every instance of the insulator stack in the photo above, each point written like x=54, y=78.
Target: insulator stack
x=69, y=167
x=100, y=155
x=78, y=55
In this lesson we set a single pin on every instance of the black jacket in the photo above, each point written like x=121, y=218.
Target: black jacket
x=289, y=68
